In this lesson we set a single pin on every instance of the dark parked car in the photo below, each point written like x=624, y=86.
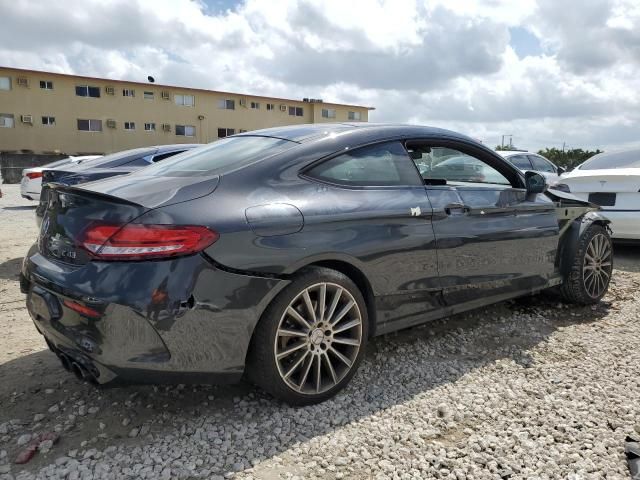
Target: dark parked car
x=280, y=252
x=120, y=163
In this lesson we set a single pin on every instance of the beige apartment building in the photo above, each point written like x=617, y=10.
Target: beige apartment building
x=44, y=112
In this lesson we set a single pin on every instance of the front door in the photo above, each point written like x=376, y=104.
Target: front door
x=374, y=208
x=493, y=240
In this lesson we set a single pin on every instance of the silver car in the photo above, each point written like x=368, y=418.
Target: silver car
x=527, y=161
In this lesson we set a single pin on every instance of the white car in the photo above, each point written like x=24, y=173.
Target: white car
x=527, y=161
x=31, y=183
x=611, y=180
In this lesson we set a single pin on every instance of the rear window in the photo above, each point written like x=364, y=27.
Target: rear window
x=117, y=159
x=626, y=159
x=219, y=157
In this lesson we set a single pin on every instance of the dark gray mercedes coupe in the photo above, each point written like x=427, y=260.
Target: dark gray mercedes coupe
x=278, y=253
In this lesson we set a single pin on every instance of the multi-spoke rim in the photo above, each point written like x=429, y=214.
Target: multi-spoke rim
x=318, y=338
x=596, y=269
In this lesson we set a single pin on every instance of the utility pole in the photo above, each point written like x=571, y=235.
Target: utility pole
x=510, y=139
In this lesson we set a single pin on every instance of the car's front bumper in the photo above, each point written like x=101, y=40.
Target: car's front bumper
x=625, y=224
x=173, y=321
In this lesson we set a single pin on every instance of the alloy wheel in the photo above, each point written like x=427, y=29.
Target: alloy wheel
x=318, y=338
x=596, y=269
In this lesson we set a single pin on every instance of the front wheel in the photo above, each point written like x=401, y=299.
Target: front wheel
x=311, y=339
x=588, y=280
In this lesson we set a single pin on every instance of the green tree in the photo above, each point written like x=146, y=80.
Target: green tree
x=505, y=148
x=568, y=159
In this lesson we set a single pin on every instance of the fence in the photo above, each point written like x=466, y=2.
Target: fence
x=12, y=164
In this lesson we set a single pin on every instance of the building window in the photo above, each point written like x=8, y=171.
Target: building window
x=255, y=105
x=128, y=92
x=90, y=125
x=5, y=83
x=49, y=121
x=185, y=100
x=46, y=84
x=227, y=104
x=150, y=127
x=6, y=120
x=185, y=130
x=296, y=111
x=328, y=113
x=354, y=115
x=87, y=91
x=225, y=132
x=129, y=125
x=271, y=106
x=148, y=95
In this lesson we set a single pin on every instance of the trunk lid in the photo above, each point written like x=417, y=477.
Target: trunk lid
x=70, y=211
x=154, y=191
x=611, y=180
x=68, y=214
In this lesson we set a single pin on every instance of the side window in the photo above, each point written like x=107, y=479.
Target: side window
x=453, y=166
x=541, y=165
x=377, y=165
x=521, y=162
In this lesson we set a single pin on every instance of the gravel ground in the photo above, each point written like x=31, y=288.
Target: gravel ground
x=529, y=389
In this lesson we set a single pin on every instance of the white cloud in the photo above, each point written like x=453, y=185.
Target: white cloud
x=439, y=62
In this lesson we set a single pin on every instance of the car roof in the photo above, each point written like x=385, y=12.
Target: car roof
x=176, y=146
x=511, y=153
x=308, y=132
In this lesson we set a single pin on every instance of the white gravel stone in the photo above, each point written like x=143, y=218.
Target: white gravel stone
x=520, y=390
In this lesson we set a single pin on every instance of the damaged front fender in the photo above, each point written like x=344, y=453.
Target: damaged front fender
x=574, y=221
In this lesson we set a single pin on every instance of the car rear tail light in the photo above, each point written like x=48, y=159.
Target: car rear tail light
x=140, y=242
x=33, y=175
x=82, y=309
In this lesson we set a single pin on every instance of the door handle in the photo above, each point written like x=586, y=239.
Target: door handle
x=456, y=209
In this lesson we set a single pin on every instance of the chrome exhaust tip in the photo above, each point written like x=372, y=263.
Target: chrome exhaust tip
x=80, y=372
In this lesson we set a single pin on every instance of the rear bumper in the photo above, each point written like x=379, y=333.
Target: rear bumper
x=174, y=321
x=30, y=189
x=625, y=225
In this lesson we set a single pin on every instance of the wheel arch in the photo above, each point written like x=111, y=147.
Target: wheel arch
x=346, y=268
x=569, y=241
x=358, y=277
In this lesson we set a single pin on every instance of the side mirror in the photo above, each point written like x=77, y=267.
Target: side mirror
x=535, y=182
x=561, y=170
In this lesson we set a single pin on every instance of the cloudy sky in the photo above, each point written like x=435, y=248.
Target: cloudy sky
x=546, y=71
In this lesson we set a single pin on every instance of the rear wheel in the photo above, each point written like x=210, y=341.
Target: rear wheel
x=311, y=339
x=590, y=274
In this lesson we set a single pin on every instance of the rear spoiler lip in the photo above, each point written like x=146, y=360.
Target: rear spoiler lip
x=77, y=189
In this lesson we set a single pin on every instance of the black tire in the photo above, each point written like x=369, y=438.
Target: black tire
x=264, y=370
x=575, y=287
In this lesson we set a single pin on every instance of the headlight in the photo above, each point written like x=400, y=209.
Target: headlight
x=563, y=187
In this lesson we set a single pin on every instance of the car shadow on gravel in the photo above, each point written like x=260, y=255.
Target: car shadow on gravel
x=397, y=368
x=10, y=269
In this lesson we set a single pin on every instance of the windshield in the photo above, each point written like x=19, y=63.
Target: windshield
x=626, y=159
x=219, y=157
